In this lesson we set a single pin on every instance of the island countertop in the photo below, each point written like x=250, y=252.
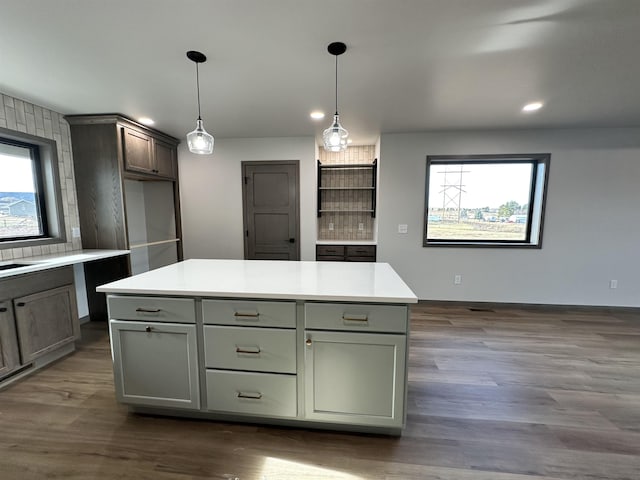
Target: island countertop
x=273, y=279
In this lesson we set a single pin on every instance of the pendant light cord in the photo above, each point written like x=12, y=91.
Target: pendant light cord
x=336, y=84
x=198, y=89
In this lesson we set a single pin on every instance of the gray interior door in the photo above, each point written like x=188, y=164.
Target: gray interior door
x=271, y=210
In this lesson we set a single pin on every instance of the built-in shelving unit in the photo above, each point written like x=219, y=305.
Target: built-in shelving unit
x=347, y=188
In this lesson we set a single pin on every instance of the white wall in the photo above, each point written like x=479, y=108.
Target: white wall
x=211, y=194
x=591, y=227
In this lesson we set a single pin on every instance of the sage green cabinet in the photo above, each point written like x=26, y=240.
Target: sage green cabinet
x=355, y=378
x=155, y=364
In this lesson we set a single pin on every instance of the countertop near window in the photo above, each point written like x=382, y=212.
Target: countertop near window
x=325, y=281
x=54, y=260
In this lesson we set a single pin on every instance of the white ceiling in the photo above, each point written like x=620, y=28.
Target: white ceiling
x=411, y=65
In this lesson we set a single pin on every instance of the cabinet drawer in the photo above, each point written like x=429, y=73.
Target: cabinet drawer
x=361, y=250
x=361, y=259
x=329, y=258
x=355, y=317
x=330, y=250
x=156, y=309
x=245, y=348
x=253, y=393
x=247, y=313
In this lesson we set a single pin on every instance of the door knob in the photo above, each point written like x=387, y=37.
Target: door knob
x=308, y=342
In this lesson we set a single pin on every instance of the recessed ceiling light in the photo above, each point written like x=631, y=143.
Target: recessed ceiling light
x=532, y=107
x=146, y=121
x=317, y=115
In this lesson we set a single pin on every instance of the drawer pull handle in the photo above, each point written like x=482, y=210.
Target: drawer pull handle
x=148, y=310
x=355, y=318
x=147, y=329
x=251, y=395
x=308, y=342
x=246, y=315
x=20, y=304
x=3, y=309
x=255, y=351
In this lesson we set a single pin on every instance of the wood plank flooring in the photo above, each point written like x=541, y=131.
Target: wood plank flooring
x=508, y=394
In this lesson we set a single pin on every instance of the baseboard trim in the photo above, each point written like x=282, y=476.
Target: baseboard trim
x=530, y=306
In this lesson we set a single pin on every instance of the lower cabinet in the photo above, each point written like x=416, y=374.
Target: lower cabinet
x=9, y=352
x=250, y=357
x=45, y=321
x=155, y=363
x=312, y=362
x=38, y=319
x=355, y=378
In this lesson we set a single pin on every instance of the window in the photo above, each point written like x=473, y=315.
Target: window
x=485, y=200
x=30, y=202
x=21, y=192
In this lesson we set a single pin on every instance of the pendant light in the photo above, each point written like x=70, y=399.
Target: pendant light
x=199, y=140
x=335, y=137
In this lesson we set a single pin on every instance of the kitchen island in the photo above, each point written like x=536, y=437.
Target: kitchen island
x=312, y=344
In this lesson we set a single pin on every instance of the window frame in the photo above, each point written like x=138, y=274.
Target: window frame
x=44, y=155
x=536, y=205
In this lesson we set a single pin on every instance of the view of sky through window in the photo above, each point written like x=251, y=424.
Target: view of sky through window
x=19, y=216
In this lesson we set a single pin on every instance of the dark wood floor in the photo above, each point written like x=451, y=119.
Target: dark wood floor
x=509, y=394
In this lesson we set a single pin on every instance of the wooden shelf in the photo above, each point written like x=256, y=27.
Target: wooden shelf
x=345, y=211
x=347, y=188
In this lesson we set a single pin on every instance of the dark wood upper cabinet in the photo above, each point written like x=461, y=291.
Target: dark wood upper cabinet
x=148, y=154
x=138, y=154
x=165, y=159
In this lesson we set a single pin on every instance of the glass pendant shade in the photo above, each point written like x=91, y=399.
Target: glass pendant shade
x=199, y=140
x=335, y=137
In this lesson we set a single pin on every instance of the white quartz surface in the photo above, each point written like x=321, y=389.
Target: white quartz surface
x=328, y=281
x=54, y=260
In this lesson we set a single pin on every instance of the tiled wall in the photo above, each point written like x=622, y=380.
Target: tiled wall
x=346, y=225
x=26, y=117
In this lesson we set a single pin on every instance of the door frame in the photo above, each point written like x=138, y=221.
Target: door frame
x=245, y=219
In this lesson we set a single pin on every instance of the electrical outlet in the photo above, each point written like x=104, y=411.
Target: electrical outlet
x=457, y=279
x=613, y=284
x=361, y=226
x=331, y=226
x=402, y=228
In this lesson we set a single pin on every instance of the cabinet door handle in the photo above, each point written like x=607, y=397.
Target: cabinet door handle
x=20, y=304
x=308, y=342
x=3, y=309
x=246, y=315
x=255, y=351
x=251, y=395
x=148, y=310
x=355, y=318
x=147, y=329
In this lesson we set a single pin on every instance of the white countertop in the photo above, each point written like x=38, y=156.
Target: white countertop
x=328, y=281
x=43, y=262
